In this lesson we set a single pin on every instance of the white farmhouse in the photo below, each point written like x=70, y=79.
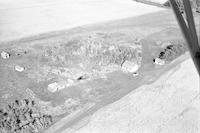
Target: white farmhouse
x=130, y=67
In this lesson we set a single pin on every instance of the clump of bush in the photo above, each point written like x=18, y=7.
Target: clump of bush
x=172, y=51
x=23, y=117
